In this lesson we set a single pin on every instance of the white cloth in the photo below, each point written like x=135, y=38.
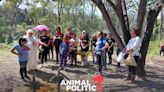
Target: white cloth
x=135, y=44
x=120, y=57
x=32, y=59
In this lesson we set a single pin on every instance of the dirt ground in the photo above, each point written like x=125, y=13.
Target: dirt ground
x=46, y=77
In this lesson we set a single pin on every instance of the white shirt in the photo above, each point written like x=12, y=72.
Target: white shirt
x=135, y=44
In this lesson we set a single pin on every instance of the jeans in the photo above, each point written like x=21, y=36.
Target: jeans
x=63, y=58
x=104, y=59
x=99, y=61
x=132, y=69
x=110, y=53
x=57, y=45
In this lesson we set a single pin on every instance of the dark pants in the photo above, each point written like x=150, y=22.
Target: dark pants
x=40, y=54
x=73, y=55
x=57, y=45
x=23, y=70
x=50, y=49
x=63, y=58
x=99, y=61
x=44, y=52
x=132, y=69
x=110, y=53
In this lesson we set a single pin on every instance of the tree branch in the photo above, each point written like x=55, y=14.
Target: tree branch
x=141, y=15
x=112, y=4
x=109, y=23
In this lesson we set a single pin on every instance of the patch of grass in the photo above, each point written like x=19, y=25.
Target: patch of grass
x=5, y=50
x=154, y=48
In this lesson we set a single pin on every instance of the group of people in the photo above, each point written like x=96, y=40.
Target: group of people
x=66, y=46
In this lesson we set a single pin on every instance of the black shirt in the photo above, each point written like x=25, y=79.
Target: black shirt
x=45, y=39
x=93, y=41
x=110, y=42
x=85, y=41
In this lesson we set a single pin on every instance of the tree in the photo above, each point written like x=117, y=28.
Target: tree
x=162, y=25
x=120, y=9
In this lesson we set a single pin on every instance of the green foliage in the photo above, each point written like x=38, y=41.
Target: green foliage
x=154, y=47
x=156, y=31
x=4, y=29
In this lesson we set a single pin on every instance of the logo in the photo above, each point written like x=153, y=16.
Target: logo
x=78, y=85
x=98, y=79
x=84, y=85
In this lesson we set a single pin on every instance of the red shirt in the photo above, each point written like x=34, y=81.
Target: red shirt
x=162, y=46
x=58, y=34
x=70, y=35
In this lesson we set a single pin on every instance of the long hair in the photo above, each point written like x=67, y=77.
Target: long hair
x=58, y=28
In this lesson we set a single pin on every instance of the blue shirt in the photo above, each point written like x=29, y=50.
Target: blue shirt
x=23, y=53
x=100, y=43
x=64, y=48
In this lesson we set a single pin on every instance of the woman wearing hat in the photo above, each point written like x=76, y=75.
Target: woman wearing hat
x=32, y=44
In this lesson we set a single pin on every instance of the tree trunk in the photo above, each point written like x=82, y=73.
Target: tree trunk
x=162, y=25
x=108, y=21
x=152, y=15
x=60, y=7
x=141, y=15
x=122, y=15
x=120, y=10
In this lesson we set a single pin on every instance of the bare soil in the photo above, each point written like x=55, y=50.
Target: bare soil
x=46, y=78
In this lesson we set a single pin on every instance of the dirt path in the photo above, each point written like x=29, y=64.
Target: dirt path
x=47, y=76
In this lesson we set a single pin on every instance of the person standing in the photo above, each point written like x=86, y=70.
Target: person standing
x=93, y=46
x=64, y=48
x=111, y=47
x=73, y=51
x=51, y=46
x=84, y=45
x=22, y=51
x=32, y=44
x=133, y=48
x=101, y=46
x=57, y=42
x=104, y=56
x=69, y=35
x=45, y=42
